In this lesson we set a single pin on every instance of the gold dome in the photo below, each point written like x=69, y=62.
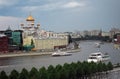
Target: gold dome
x=30, y=18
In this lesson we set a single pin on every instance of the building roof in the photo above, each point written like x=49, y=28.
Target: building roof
x=8, y=29
x=30, y=18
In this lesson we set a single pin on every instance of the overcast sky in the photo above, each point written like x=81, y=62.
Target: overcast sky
x=62, y=15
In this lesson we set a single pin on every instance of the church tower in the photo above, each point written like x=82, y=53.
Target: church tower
x=30, y=21
x=29, y=26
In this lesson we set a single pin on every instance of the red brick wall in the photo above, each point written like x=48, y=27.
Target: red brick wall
x=3, y=44
x=118, y=39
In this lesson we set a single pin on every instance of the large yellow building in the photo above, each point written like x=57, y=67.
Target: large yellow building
x=50, y=43
x=45, y=44
x=27, y=40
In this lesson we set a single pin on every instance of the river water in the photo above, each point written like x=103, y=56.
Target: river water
x=87, y=47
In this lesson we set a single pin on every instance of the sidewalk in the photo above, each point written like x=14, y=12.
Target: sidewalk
x=24, y=54
x=18, y=54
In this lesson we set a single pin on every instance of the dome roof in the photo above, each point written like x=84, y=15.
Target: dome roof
x=30, y=18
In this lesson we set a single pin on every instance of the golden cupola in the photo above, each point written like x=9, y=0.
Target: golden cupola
x=30, y=18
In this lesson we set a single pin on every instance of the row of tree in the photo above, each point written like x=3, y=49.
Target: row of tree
x=101, y=38
x=78, y=70
x=88, y=37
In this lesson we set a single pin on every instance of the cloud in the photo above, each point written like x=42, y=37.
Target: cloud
x=6, y=21
x=54, y=6
x=45, y=7
x=4, y=3
x=7, y=2
x=74, y=4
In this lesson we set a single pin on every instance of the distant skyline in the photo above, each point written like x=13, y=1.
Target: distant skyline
x=62, y=15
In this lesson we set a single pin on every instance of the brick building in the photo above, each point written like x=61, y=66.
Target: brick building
x=118, y=39
x=3, y=43
x=14, y=39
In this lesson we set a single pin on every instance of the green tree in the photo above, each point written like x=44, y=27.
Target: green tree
x=73, y=68
x=32, y=42
x=66, y=65
x=110, y=66
x=3, y=75
x=58, y=69
x=105, y=68
x=69, y=39
x=43, y=73
x=71, y=72
x=93, y=67
x=63, y=74
x=24, y=74
x=79, y=70
x=14, y=75
x=99, y=67
x=51, y=72
x=69, y=69
x=85, y=67
x=33, y=74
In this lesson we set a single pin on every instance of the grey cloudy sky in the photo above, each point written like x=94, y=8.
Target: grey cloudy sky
x=62, y=15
